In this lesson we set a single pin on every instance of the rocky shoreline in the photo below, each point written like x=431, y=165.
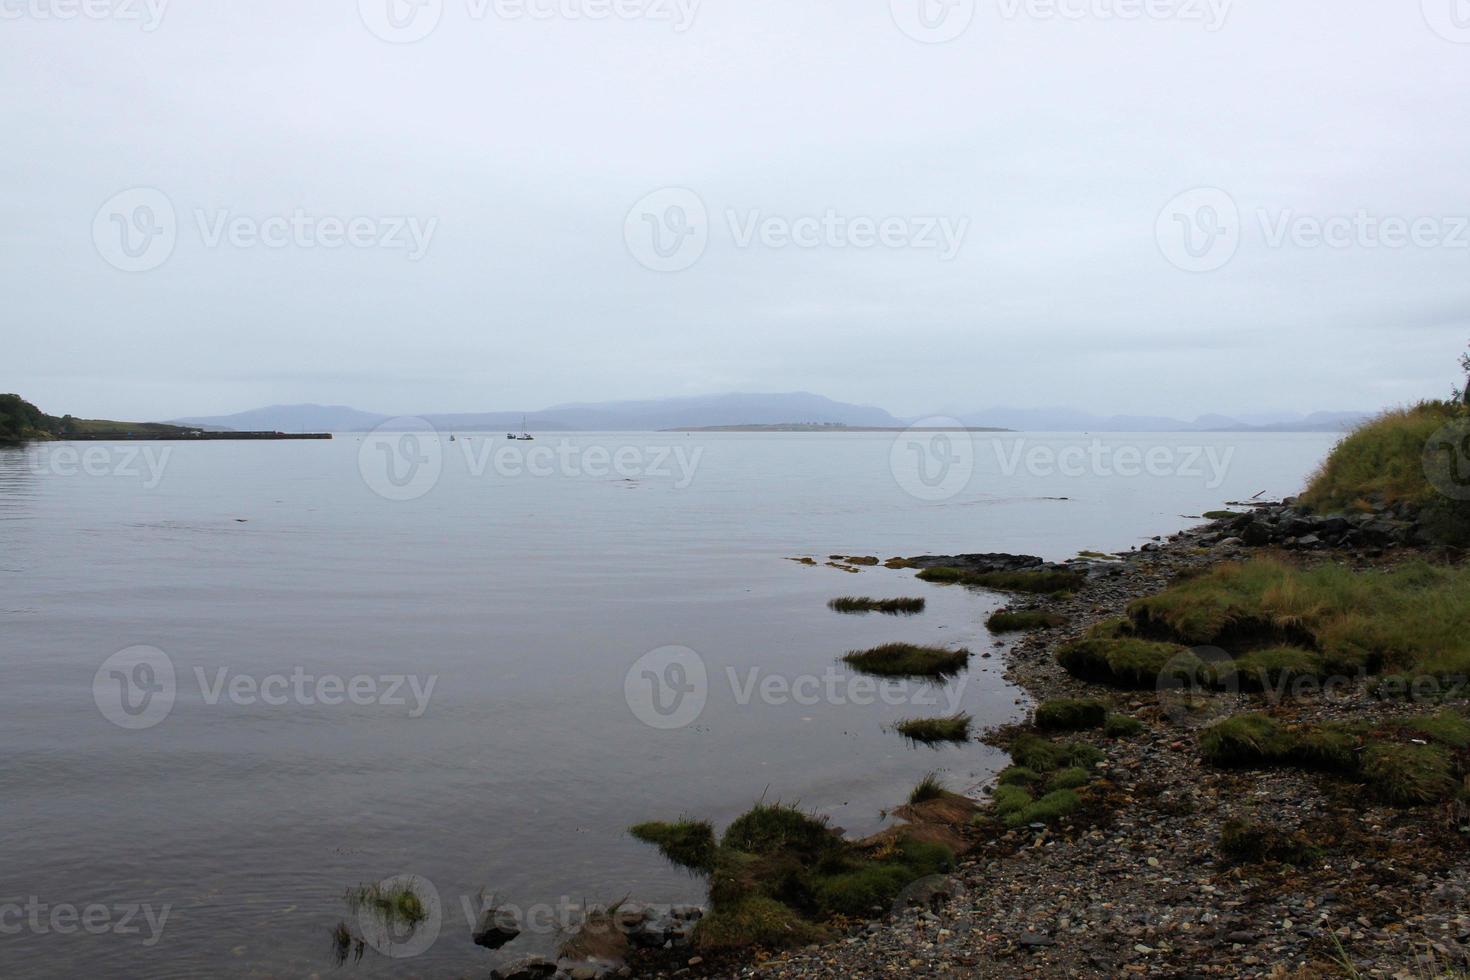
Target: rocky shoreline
x=1135, y=883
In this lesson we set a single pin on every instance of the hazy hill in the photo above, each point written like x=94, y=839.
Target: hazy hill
x=742, y=409
x=653, y=414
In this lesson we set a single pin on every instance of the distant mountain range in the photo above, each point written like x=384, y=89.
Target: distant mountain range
x=797, y=408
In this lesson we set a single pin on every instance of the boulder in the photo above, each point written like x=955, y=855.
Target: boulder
x=496, y=927
x=525, y=968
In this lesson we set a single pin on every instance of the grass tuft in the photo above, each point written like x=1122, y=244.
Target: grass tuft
x=1406, y=774
x=1044, y=755
x=1122, y=726
x=394, y=904
x=687, y=843
x=1071, y=714
x=863, y=604
x=908, y=660
x=1006, y=621
x=955, y=728
x=931, y=787
x=1042, y=582
x=1245, y=740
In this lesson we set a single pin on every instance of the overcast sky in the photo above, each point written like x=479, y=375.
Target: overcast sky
x=987, y=195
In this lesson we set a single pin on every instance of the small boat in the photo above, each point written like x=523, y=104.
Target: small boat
x=524, y=436
x=451, y=437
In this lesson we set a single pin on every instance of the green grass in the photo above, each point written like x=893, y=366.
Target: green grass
x=1016, y=807
x=398, y=903
x=756, y=921
x=1127, y=662
x=1043, y=755
x=1411, y=619
x=1254, y=842
x=1246, y=740
x=1446, y=728
x=863, y=604
x=1071, y=714
x=1276, y=668
x=1043, y=582
x=931, y=787
x=1407, y=774
x=1220, y=515
x=688, y=843
x=873, y=885
x=955, y=728
x=770, y=828
x=1122, y=726
x=908, y=660
x=1383, y=459
x=1006, y=621
x=1394, y=770
x=1019, y=776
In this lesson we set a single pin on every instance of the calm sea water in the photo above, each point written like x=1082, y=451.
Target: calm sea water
x=529, y=591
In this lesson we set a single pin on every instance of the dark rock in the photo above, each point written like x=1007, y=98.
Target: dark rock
x=495, y=928
x=525, y=968
x=1034, y=940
